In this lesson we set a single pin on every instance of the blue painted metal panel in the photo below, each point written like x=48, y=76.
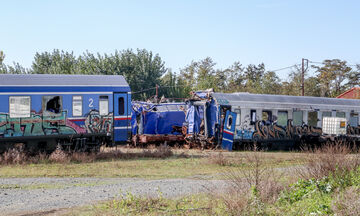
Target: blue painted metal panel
x=229, y=130
x=121, y=118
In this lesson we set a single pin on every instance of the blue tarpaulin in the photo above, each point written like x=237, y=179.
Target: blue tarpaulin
x=149, y=118
x=195, y=115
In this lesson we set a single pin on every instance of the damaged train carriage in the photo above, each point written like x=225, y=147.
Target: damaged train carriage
x=236, y=120
x=155, y=123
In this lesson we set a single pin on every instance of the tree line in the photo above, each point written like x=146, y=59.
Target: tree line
x=143, y=70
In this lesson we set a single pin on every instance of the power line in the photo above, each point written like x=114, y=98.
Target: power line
x=315, y=62
x=145, y=90
x=285, y=68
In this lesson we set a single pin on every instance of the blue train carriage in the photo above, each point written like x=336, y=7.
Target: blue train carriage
x=78, y=112
x=234, y=120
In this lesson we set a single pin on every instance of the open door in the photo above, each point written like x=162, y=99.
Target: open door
x=228, y=130
x=121, y=119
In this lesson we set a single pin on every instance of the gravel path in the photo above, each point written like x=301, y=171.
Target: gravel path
x=21, y=195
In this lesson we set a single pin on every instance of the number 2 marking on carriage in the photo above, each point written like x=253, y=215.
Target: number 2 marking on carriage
x=91, y=101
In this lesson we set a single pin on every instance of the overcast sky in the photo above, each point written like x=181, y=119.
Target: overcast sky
x=276, y=32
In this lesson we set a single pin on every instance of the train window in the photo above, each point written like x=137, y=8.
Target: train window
x=238, y=116
x=253, y=117
x=282, y=118
x=121, y=106
x=104, y=105
x=77, y=105
x=266, y=116
x=340, y=114
x=19, y=106
x=229, y=122
x=51, y=104
x=354, y=119
x=312, y=118
x=326, y=114
x=297, y=118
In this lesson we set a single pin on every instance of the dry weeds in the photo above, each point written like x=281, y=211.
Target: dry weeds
x=347, y=203
x=220, y=159
x=329, y=159
x=249, y=189
x=18, y=156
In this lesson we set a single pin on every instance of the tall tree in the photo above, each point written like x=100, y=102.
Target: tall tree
x=173, y=87
x=2, y=57
x=200, y=75
x=354, y=77
x=2, y=65
x=332, y=77
x=142, y=69
x=232, y=78
x=57, y=62
x=253, y=77
x=270, y=83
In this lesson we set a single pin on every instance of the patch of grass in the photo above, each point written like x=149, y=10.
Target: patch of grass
x=192, y=163
x=30, y=186
x=57, y=185
x=199, y=204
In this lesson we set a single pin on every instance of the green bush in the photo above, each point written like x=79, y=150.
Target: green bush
x=305, y=188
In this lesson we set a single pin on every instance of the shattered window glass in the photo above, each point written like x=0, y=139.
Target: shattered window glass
x=312, y=118
x=51, y=105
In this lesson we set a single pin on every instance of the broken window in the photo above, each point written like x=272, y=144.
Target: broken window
x=104, y=105
x=52, y=104
x=19, y=106
x=267, y=116
x=77, y=105
x=312, y=118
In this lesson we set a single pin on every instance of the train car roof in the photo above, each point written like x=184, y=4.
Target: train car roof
x=44, y=82
x=286, y=101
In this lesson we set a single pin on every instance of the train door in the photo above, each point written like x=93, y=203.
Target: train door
x=229, y=130
x=121, y=119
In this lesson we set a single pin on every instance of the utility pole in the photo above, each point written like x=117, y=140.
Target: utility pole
x=157, y=93
x=303, y=69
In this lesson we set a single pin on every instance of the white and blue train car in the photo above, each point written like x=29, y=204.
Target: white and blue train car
x=73, y=111
x=232, y=120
